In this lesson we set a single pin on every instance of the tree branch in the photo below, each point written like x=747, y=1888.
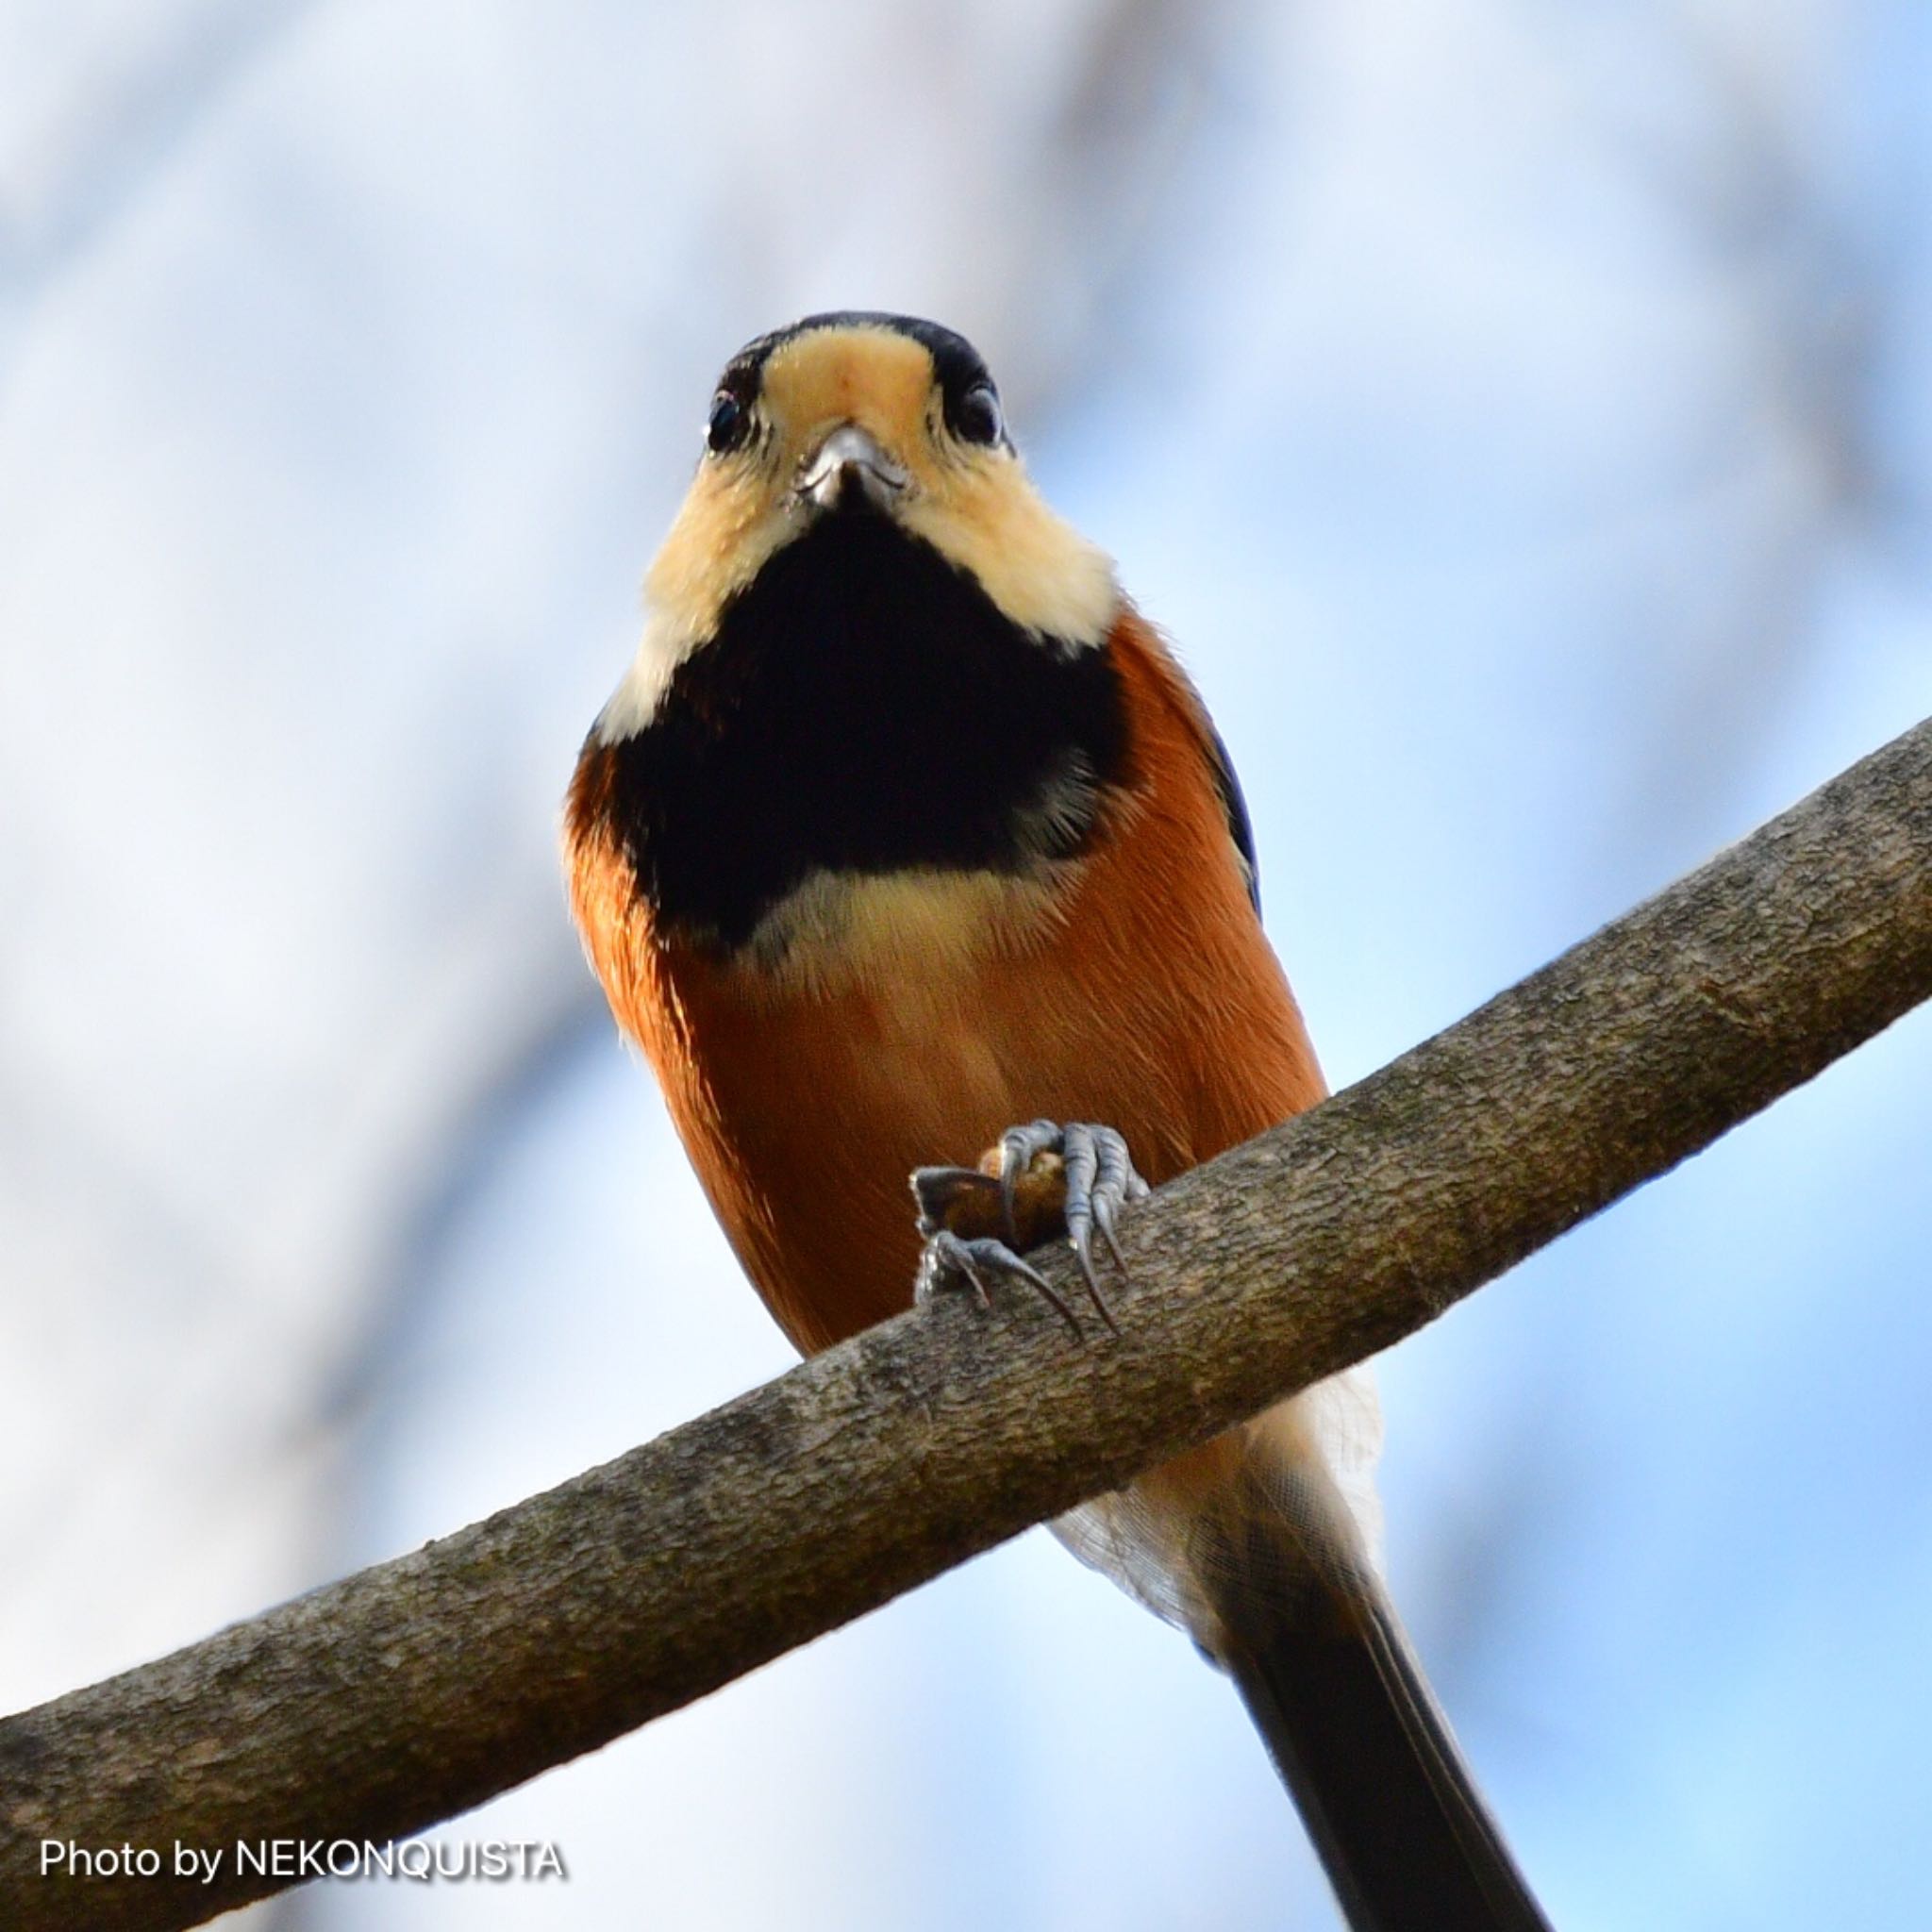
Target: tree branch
x=376, y=1705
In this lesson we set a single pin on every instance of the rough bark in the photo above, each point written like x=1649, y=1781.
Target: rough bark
x=380, y=1703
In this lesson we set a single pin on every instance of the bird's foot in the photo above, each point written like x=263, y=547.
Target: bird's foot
x=1040, y=1183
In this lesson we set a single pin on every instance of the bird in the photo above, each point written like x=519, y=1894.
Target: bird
x=904, y=847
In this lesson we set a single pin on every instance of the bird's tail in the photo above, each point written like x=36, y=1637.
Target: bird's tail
x=1302, y=1623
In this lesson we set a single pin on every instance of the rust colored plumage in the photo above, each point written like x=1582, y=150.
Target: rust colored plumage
x=904, y=829
x=806, y=1104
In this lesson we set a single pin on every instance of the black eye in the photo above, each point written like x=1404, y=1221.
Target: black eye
x=729, y=424
x=976, y=416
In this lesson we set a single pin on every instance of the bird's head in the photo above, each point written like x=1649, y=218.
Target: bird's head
x=842, y=428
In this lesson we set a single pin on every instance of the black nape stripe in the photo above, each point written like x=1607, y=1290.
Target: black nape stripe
x=865, y=709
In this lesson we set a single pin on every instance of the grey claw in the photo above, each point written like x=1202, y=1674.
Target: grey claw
x=948, y=1260
x=1081, y=1149
x=1083, y=1252
x=1116, y=1180
x=1100, y=1177
x=1103, y=1220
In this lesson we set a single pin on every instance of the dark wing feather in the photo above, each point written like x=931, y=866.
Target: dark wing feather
x=1235, y=808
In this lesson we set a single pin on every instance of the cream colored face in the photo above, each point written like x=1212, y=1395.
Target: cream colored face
x=972, y=502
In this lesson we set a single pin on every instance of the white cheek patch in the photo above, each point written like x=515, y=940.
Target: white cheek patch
x=632, y=705
x=1043, y=575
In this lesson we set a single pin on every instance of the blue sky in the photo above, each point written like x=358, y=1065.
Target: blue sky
x=1520, y=418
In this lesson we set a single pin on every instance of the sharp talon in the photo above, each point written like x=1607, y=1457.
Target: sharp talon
x=1095, y=1177
x=975, y=1281
x=946, y=1253
x=1103, y=1220
x=1081, y=1151
x=1034, y=1279
x=1085, y=1258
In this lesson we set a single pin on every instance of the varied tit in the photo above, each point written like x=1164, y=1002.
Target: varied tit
x=904, y=827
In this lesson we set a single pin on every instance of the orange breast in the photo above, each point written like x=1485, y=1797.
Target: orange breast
x=1149, y=999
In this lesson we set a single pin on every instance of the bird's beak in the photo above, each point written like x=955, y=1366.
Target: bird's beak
x=849, y=471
